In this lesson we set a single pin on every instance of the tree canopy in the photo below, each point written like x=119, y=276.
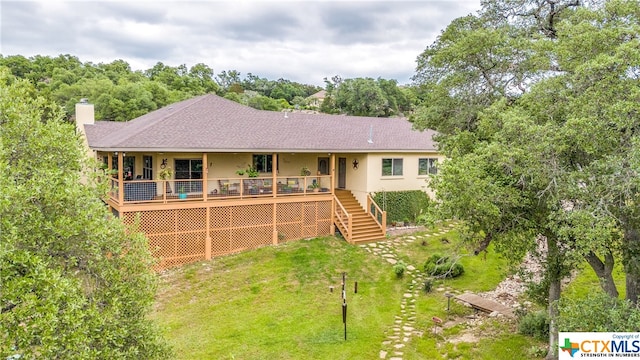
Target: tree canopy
x=536, y=104
x=365, y=97
x=75, y=283
x=121, y=94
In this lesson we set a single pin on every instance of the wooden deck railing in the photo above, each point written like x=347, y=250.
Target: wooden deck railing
x=378, y=214
x=344, y=220
x=164, y=191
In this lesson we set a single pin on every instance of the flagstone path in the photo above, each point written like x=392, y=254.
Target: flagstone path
x=404, y=325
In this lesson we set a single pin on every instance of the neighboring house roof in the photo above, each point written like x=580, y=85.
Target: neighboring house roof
x=210, y=123
x=320, y=95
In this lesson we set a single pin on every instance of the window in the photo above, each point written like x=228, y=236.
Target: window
x=263, y=163
x=188, y=169
x=323, y=165
x=391, y=167
x=128, y=163
x=427, y=166
x=147, y=167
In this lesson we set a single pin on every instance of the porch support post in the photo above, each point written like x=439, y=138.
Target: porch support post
x=120, y=179
x=332, y=228
x=274, y=176
x=207, y=241
x=274, y=217
x=205, y=170
x=384, y=222
x=333, y=173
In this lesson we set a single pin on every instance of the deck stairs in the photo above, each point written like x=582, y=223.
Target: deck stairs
x=365, y=228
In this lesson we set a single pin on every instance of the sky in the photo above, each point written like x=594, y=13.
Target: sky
x=301, y=41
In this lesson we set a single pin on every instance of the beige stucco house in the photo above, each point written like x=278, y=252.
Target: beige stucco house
x=209, y=176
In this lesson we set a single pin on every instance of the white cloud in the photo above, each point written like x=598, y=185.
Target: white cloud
x=303, y=41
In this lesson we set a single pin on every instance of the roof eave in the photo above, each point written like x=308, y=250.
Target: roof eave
x=255, y=150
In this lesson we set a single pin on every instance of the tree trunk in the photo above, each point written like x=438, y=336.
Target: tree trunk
x=554, y=296
x=604, y=270
x=554, y=274
x=633, y=286
x=631, y=259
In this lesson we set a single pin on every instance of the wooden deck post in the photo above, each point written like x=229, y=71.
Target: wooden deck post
x=333, y=173
x=350, y=229
x=384, y=222
x=274, y=218
x=207, y=241
x=120, y=178
x=205, y=170
x=274, y=175
x=332, y=228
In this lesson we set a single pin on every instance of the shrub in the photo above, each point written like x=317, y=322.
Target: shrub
x=399, y=268
x=401, y=205
x=443, y=267
x=578, y=315
x=535, y=324
x=428, y=285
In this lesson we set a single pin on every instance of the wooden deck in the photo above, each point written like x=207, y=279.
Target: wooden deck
x=485, y=305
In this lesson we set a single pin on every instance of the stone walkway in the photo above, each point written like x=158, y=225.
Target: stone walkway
x=404, y=324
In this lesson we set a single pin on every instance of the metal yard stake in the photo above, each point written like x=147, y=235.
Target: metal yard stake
x=344, y=304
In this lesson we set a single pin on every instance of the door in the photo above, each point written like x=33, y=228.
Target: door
x=342, y=173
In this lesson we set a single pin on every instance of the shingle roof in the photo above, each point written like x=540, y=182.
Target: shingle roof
x=209, y=123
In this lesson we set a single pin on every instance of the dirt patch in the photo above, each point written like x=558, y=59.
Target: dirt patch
x=466, y=337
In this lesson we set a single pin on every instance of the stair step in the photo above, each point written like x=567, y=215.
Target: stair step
x=360, y=234
x=364, y=227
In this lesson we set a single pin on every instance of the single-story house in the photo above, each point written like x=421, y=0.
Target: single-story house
x=315, y=100
x=208, y=176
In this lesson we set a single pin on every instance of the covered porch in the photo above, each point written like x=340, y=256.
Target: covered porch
x=162, y=178
x=212, y=205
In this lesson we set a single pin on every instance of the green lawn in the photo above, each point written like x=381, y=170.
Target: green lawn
x=275, y=302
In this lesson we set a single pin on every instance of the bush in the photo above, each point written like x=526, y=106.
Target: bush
x=443, y=267
x=535, y=324
x=401, y=205
x=428, y=285
x=399, y=268
x=613, y=314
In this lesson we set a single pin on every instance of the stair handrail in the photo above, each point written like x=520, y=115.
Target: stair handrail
x=340, y=218
x=375, y=212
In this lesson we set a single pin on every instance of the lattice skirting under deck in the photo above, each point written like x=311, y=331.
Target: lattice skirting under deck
x=182, y=236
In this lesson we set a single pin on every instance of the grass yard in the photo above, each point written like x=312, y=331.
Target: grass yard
x=586, y=281
x=275, y=303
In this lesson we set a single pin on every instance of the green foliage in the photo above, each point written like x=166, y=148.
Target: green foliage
x=365, y=97
x=121, y=94
x=428, y=285
x=75, y=283
x=261, y=102
x=399, y=268
x=442, y=267
x=598, y=313
x=516, y=99
x=401, y=205
x=251, y=171
x=534, y=324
